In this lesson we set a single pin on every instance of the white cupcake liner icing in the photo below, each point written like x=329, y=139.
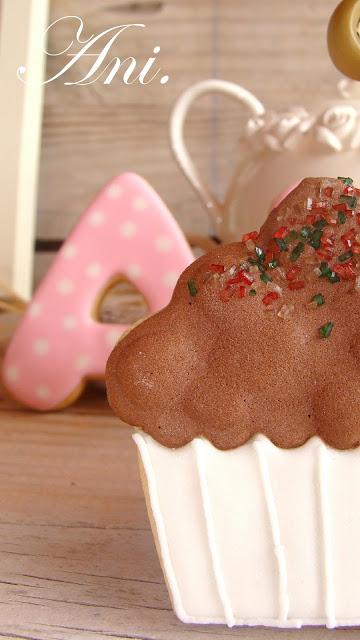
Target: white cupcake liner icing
x=257, y=535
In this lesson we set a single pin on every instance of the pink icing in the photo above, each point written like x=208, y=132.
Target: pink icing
x=126, y=230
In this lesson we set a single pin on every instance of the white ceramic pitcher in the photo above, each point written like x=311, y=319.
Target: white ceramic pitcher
x=276, y=150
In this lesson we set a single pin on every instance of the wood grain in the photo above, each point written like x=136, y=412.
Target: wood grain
x=91, y=133
x=77, y=557
x=276, y=49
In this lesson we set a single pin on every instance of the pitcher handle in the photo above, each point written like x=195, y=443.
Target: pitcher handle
x=177, y=121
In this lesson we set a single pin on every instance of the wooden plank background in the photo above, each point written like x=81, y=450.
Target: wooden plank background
x=275, y=48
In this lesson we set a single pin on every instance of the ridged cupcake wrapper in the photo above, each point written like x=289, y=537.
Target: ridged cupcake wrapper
x=257, y=535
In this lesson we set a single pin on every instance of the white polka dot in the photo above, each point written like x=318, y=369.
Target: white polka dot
x=96, y=218
x=69, y=322
x=139, y=203
x=65, y=286
x=42, y=391
x=163, y=244
x=12, y=373
x=35, y=309
x=81, y=362
x=128, y=229
x=41, y=347
x=133, y=270
x=69, y=251
x=93, y=270
x=114, y=191
x=112, y=337
x=170, y=278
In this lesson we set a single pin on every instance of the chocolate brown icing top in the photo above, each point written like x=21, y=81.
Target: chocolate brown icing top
x=224, y=363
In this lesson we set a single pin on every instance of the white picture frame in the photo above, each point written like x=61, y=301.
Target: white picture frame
x=22, y=27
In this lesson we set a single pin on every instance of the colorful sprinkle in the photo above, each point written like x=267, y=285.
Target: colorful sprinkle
x=216, y=268
x=292, y=273
x=270, y=297
x=345, y=256
x=281, y=233
x=297, y=251
x=192, y=288
x=346, y=181
x=351, y=201
x=318, y=299
x=326, y=329
x=265, y=277
x=296, y=285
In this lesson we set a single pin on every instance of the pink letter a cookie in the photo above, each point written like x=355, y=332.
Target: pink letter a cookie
x=59, y=344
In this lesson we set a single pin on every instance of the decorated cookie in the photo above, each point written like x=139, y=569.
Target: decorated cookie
x=244, y=392
x=127, y=231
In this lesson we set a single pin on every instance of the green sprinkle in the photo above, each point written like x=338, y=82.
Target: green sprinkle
x=315, y=237
x=345, y=256
x=325, y=269
x=351, y=201
x=327, y=273
x=326, y=329
x=347, y=181
x=293, y=235
x=341, y=217
x=281, y=244
x=295, y=254
x=273, y=264
x=265, y=277
x=252, y=292
x=319, y=299
x=333, y=277
x=306, y=232
x=192, y=288
x=260, y=254
x=320, y=224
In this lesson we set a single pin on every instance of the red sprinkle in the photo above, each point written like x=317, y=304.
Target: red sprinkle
x=310, y=218
x=299, y=284
x=345, y=271
x=241, y=276
x=216, y=268
x=252, y=235
x=327, y=241
x=348, y=238
x=328, y=191
x=235, y=280
x=356, y=249
x=270, y=297
x=292, y=273
x=358, y=218
x=241, y=292
x=340, y=207
x=281, y=233
x=274, y=247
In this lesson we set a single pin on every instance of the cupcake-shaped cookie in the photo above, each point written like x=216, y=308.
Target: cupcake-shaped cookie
x=245, y=395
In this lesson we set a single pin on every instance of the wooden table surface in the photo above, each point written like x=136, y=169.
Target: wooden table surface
x=77, y=558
